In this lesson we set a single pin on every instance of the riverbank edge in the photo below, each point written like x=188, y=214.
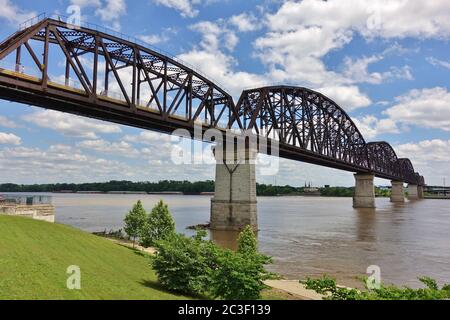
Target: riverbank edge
x=292, y=287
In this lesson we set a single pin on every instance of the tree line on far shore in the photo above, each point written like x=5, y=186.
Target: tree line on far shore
x=185, y=187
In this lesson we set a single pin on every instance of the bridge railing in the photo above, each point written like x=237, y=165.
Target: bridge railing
x=30, y=22
x=20, y=69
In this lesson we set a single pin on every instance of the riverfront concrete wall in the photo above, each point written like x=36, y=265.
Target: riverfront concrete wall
x=37, y=212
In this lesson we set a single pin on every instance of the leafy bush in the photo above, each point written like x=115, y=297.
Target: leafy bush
x=135, y=221
x=239, y=276
x=247, y=243
x=183, y=264
x=327, y=286
x=158, y=226
x=196, y=266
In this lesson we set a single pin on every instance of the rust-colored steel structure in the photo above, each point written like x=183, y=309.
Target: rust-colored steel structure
x=156, y=92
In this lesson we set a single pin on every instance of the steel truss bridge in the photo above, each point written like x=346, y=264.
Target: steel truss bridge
x=113, y=79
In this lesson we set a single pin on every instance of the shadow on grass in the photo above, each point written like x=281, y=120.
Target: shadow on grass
x=135, y=250
x=158, y=286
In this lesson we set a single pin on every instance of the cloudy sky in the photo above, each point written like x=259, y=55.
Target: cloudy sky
x=386, y=63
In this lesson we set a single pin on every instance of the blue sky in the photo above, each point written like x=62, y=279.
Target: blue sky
x=386, y=63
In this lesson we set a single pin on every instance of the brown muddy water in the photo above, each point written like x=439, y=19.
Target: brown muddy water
x=306, y=236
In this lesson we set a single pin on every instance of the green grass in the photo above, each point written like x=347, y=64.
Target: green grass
x=34, y=257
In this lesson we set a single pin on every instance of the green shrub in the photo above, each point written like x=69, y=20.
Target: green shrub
x=183, y=264
x=135, y=221
x=327, y=286
x=196, y=266
x=247, y=243
x=239, y=276
x=159, y=225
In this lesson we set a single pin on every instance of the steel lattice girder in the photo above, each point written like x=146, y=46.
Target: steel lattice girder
x=308, y=121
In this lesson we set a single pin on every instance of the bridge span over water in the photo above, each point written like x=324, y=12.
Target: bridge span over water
x=114, y=78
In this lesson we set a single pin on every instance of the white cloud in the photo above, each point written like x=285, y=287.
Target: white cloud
x=70, y=125
x=423, y=107
x=438, y=63
x=300, y=34
x=59, y=163
x=295, y=56
x=220, y=68
x=153, y=39
x=245, y=22
x=184, y=7
x=109, y=11
x=427, y=108
x=86, y=3
x=112, y=11
x=371, y=127
x=348, y=97
x=357, y=71
x=371, y=18
x=13, y=14
x=5, y=122
x=430, y=158
x=121, y=148
x=9, y=138
x=148, y=137
x=64, y=163
x=215, y=35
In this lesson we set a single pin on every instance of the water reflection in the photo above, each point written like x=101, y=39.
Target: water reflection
x=366, y=224
x=225, y=239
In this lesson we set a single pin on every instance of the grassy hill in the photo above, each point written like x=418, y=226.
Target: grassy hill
x=34, y=257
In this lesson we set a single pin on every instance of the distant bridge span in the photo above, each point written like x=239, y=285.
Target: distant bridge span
x=109, y=78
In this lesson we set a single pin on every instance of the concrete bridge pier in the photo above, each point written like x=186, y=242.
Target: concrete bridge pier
x=397, y=194
x=364, y=191
x=234, y=204
x=413, y=191
x=420, y=192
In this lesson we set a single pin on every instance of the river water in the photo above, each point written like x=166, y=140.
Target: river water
x=306, y=236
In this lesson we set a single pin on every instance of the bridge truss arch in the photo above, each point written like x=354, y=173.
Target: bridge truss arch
x=383, y=158
x=114, y=73
x=305, y=120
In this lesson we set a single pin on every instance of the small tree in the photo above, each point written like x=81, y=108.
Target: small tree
x=183, y=264
x=135, y=221
x=159, y=225
x=247, y=243
x=240, y=275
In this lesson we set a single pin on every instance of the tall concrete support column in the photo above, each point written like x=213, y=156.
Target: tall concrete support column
x=234, y=204
x=413, y=192
x=420, y=192
x=364, y=191
x=397, y=194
